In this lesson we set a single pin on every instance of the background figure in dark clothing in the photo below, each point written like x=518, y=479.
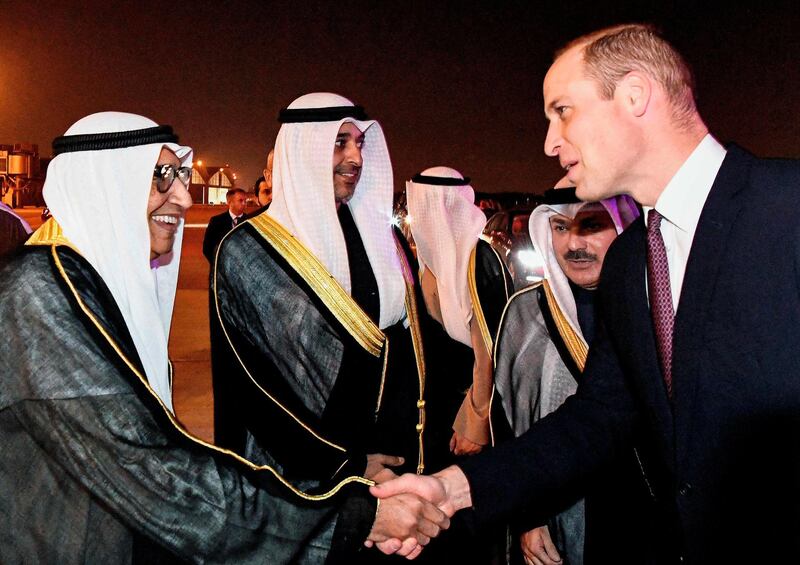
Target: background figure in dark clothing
x=13, y=231
x=263, y=188
x=221, y=224
x=465, y=285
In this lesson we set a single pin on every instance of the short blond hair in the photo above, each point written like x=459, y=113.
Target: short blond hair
x=611, y=53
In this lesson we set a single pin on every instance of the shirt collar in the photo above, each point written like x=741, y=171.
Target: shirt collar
x=683, y=198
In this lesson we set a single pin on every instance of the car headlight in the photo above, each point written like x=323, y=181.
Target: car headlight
x=529, y=258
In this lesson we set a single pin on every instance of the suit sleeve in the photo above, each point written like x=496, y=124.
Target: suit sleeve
x=546, y=467
x=212, y=238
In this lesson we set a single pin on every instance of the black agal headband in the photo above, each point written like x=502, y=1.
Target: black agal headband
x=113, y=140
x=561, y=196
x=419, y=178
x=329, y=114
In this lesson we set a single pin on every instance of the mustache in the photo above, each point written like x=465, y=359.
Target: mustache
x=346, y=169
x=579, y=255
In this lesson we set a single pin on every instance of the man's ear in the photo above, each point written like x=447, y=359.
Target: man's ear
x=635, y=91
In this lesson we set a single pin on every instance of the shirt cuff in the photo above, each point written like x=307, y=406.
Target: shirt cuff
x=471, y=422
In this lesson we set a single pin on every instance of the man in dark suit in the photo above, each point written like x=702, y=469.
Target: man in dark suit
x=221, y=224
x=697, y=355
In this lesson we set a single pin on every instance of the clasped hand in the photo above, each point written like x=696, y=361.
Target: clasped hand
x=415, y=508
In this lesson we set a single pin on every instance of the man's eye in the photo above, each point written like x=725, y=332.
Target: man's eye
x=360, y=144
x=339, y=143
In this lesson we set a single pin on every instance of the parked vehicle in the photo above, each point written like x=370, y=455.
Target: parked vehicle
x=507, y=232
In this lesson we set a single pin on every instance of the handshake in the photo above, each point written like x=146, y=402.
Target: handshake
x=412, y=509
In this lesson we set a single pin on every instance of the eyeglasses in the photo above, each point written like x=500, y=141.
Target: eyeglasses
x=164, y=176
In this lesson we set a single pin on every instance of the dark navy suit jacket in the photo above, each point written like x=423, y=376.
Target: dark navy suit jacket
x=723, y=456
x=218, y=227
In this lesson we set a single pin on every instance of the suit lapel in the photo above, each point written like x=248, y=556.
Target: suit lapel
x=702, y=271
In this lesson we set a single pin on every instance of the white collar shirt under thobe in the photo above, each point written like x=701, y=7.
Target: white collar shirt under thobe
x=681, y=204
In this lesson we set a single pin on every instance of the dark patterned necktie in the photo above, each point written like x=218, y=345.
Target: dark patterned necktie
x=235, y=221
x=660, y=295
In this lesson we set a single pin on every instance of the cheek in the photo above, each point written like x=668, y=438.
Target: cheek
x=598, y=141
x=565, y=266
x=559, y=245
x=155, y=201
x=601, y=242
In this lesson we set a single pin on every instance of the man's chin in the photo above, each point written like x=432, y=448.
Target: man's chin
x=583, y=280
x=593, y=193
x=345, y=195
x=585, y=193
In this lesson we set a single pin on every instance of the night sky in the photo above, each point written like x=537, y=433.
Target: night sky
x=452, y=83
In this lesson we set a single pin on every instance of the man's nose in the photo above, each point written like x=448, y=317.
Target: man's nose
x=552, y=141
x=353, y=154
x=576, y=241
x=179, y=194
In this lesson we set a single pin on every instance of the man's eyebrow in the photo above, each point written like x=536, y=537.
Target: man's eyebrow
x=558, y=220
x=347, y=135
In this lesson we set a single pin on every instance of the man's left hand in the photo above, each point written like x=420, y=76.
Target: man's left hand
x=461, y=445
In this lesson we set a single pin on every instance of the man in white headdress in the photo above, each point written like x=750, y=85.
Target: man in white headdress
x=544, y=339
x=95, y=467
x=317, y=298
x=466, y=286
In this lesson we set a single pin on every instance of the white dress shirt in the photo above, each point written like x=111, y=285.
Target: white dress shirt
x=681, y=204
x=236, y=219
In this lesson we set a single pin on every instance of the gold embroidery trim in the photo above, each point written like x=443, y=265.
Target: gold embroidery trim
x=247, y=371
x=577, y=348
x=50, y=233
x=416, y=340
x=177, y=425
x=338, y=301
x=477, y=309
x=360, y=326
x=383, y=378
